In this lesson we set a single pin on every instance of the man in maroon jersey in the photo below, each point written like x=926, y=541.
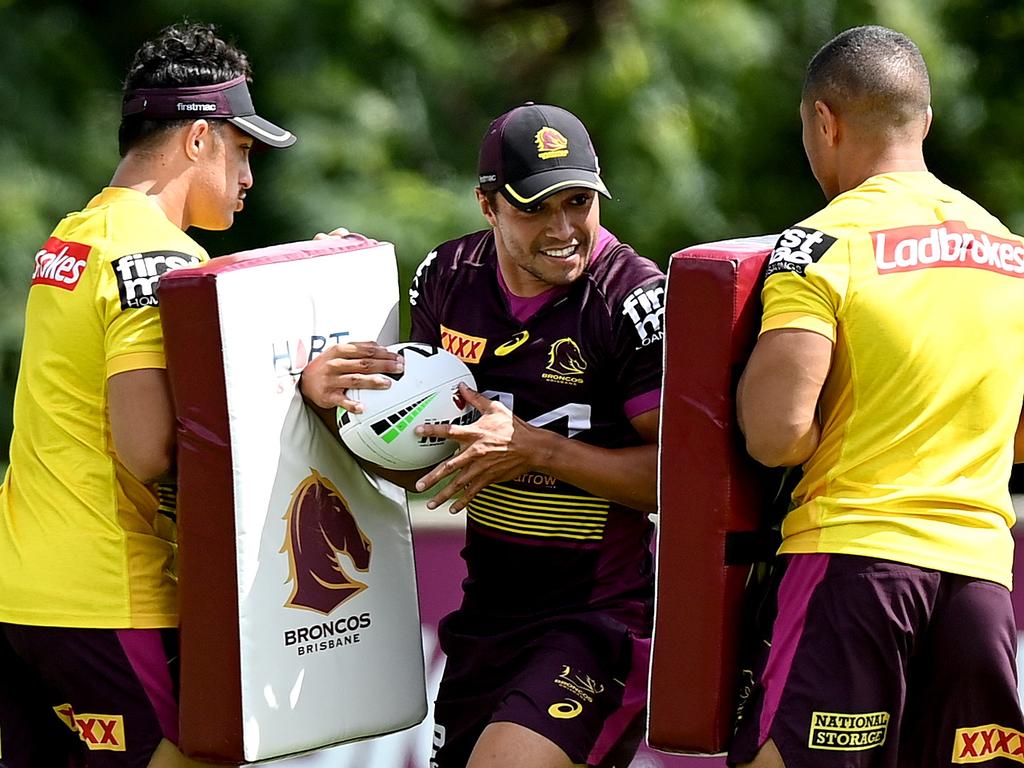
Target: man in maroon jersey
x=560, y=323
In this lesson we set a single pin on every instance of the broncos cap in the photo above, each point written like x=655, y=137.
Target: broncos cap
x=535, y=150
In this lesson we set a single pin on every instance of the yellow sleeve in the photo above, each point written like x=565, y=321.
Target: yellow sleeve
x=805, y=282
x=129, y=308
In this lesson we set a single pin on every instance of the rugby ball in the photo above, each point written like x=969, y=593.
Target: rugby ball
x=426, y=392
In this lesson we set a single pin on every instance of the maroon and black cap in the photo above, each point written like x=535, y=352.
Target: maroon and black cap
x=226, y=101
x=536, y=150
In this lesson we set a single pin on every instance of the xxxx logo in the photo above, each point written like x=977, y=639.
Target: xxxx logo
x=99, y=732
x=986, y=742
x=469, y=349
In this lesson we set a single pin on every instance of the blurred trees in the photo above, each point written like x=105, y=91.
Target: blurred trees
x=692, y=105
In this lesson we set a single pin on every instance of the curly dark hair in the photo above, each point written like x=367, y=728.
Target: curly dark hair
x=183, y=54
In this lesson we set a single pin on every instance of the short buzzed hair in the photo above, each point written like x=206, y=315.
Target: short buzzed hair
x=873, y=76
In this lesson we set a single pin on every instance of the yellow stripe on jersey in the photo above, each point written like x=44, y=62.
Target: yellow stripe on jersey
x=135, y=361
x=528, y=513
x=531, y=498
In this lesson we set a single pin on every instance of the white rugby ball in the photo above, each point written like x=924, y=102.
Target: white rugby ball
x=426, y=392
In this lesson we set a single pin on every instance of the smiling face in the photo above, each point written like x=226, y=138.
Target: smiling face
x=547, y=244
x=221, y=178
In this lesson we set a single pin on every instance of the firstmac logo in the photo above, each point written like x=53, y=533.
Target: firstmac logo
x=137, y=275
x=645, y=307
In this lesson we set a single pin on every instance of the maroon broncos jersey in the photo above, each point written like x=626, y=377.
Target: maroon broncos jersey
x=580, y=360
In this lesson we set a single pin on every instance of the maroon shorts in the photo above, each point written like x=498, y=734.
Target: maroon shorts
x=876, y=663
x=579, y=681
x=102, y=697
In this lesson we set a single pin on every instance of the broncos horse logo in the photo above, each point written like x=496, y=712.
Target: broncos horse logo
x=551, y=144
x=320, y=528
x=565, y=358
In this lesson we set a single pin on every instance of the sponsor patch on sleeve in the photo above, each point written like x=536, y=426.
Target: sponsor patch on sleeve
x=645, y=308
x=60, y=264
x=796, y=248
x=137, y=275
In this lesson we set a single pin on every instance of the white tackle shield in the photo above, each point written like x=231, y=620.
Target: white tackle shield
x=299, y=617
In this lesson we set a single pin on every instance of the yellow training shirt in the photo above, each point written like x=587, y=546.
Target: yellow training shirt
x=922, y=293
x=82, y=542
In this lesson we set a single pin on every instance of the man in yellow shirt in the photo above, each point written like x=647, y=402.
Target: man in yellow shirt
x=87, y=509
x=891, y=366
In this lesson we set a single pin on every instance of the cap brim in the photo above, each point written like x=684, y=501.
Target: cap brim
x=536, y=188
x=264, y=130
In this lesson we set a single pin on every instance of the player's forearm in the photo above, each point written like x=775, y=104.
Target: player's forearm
x=142, y=423
x=777, y=398
x=628, y=476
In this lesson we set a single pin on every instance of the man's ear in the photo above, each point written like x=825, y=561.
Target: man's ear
x=196, y=138
x=826, y=122
x=485, y=207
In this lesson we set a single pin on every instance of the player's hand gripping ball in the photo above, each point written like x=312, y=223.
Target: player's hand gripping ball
x=427, y=392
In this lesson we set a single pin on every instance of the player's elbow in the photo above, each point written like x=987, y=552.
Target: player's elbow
x=148, y=465
x=783, y=444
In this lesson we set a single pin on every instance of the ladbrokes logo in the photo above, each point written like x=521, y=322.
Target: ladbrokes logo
x=469, y=349
x=137, y=275
x=551, y=144
x=950, y=244
x=565, y=363
x=60, y=264
x=987, y=742
x=847, y=732
x=99, y=732
x=320, y=529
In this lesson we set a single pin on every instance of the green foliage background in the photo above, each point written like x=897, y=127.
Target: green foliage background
x=692, y=105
